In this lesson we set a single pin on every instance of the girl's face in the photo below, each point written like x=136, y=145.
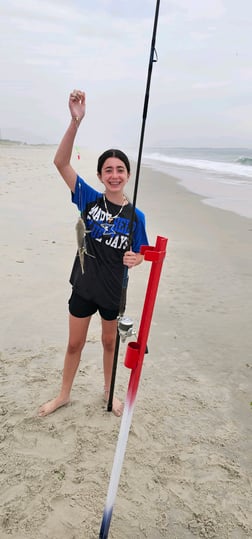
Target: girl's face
x=114, y=175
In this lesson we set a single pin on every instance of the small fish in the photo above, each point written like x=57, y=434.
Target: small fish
x=81, y=232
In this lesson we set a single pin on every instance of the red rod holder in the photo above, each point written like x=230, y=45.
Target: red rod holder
x=136, y=350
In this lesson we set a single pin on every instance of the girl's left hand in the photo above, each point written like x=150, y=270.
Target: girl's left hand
x=130, y=259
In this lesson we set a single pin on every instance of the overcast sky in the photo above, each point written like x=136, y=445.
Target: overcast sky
x=201, y=86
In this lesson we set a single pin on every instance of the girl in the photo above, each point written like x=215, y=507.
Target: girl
x=97, y=286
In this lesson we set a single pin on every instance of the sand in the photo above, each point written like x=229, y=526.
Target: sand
x=187, y=468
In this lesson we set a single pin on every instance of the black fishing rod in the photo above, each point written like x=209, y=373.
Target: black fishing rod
x=124, y=326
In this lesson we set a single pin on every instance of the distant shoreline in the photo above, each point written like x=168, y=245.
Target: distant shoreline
x=10, y=142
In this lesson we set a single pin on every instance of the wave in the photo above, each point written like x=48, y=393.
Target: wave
x=244, y=161
x=216, y=167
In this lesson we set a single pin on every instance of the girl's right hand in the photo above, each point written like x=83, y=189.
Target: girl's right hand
x=77, y=104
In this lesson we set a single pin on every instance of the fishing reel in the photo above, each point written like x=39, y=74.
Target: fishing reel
x=125, y=327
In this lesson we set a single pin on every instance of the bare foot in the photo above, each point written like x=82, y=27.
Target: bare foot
x=50, y=406
x=117, y=406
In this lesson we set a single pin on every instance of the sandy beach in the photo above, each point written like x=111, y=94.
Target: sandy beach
x=188, y=465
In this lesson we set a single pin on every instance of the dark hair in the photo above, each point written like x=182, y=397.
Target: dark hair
x=113, y=153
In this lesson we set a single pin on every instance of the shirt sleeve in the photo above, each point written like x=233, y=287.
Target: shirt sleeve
x=83, y=194
x=139, y=235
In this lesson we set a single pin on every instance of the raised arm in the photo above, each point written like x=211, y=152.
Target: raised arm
x=77, y=106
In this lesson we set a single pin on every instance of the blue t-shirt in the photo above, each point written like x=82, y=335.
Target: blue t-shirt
x=107, y=241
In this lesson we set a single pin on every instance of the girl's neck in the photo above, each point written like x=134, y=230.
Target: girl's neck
x=116, y=198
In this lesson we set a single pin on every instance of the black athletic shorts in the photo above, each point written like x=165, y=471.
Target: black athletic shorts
x=82, y=308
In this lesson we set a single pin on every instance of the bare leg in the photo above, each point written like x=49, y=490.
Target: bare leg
x=108, y=340
x=78, y=328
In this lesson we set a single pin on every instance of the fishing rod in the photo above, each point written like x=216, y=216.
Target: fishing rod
x=124, y=327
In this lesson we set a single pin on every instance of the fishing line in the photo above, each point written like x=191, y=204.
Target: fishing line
x=77, y=151
x=153, y=58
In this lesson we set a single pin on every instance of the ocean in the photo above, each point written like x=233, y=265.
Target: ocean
x=221, y=176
